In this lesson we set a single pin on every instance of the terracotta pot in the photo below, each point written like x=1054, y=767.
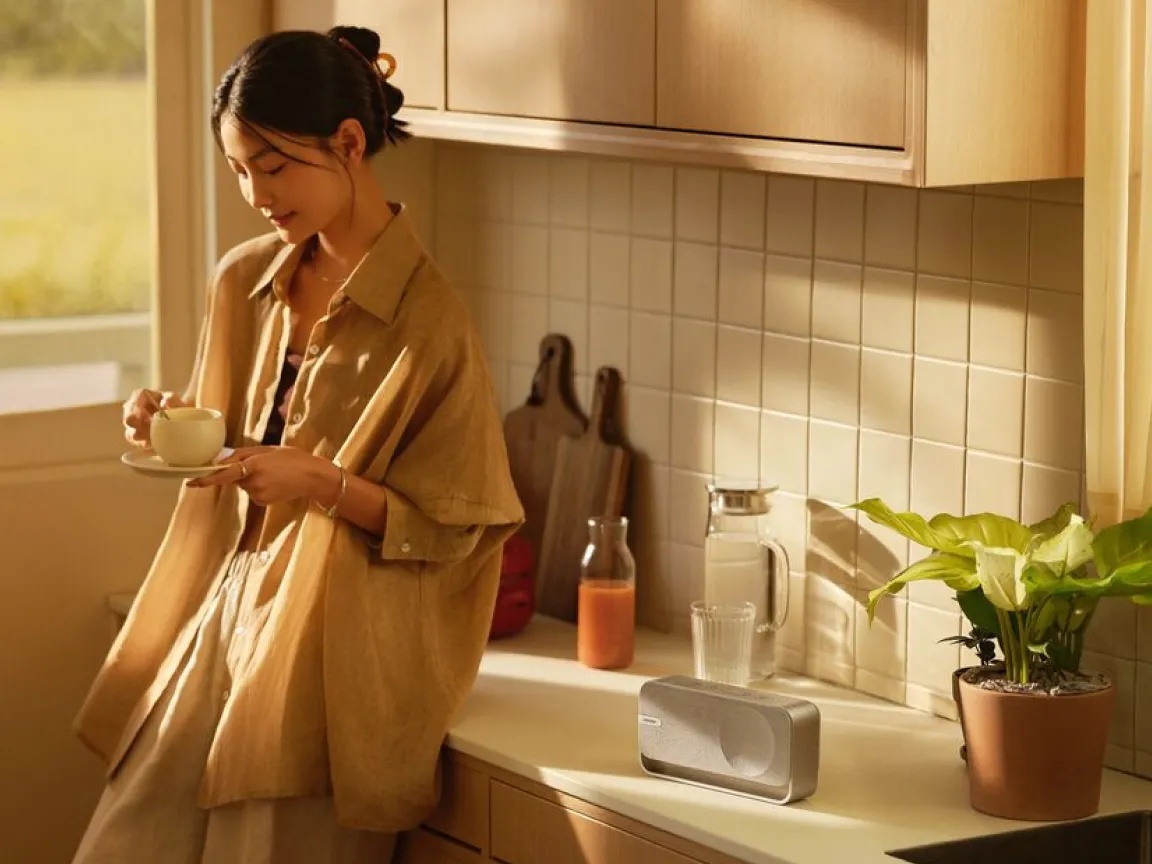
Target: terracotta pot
x=1037, y=758
x=959, y=708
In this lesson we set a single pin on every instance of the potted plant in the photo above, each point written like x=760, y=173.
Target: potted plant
x=1035, y=727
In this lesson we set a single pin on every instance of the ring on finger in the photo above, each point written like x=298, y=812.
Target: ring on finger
x=243, y=471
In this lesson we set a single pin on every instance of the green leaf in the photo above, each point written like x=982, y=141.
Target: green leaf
x=1130, y=580
x=979, y=610
x=999, y=571
x=954, y=570
x=1124, y=543
x=910, y=525
x=1055, y=523
x=1067, y=551
x=982, y=529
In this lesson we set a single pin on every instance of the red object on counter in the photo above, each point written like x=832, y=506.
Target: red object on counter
x=516, y=596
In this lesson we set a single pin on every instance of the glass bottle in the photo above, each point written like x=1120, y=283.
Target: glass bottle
x=606, y=615
x=743, y=564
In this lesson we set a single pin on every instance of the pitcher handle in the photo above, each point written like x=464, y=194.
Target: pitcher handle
x=782, y=581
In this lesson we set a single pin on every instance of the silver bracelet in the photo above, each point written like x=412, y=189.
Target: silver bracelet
x=330, y=512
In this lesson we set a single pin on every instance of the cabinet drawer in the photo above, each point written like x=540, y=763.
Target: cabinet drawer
x=463, y=811
x=530, y=830
x=832, y=71
x=412, y=31
x=424, y=847
x=591, y=60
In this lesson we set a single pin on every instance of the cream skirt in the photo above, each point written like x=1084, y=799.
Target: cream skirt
x=148, y=812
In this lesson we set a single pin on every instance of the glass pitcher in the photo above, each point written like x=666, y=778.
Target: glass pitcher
x=743, y=564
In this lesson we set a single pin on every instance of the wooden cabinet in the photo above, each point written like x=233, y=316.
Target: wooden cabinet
x=587, y=60
x=412, y=31
x=490, y=816
x=832, y=71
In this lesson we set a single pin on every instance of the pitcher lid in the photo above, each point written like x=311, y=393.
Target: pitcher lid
x=739, y=499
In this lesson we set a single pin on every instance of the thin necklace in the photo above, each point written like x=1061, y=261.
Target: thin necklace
x=331, y=281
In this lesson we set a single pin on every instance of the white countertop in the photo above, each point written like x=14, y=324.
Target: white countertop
x=890, y=777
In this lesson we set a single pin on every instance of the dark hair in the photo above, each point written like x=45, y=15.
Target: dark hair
x=300, y=83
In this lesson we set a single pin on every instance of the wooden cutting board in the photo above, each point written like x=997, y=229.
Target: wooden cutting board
x=591, y=479
x=533, y=431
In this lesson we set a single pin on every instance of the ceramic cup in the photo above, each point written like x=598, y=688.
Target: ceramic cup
x=188, y=437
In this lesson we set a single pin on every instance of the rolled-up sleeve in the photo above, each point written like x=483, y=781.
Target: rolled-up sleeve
x=414, y=535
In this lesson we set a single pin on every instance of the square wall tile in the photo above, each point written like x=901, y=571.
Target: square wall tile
x=694, y=357
x=608, y=339
x=881, y=645
x=791, y=210
x=788, y=519
x=999, y=313
x=995, y=411
x=695, y=274
x=1005, y=190
x=650, y=510
x=832, y=462
x=610, y=195
x=942, y=318
x=651, y=276
x=839, y=220
x=530, y=259
x=456, y=247
x=652, y=203
x=743, y=197
x=885, y=465
x=570, y=317
x=937, y=479
x=931, y=701
x=697, y=204
x=830, y=631
x=741, y=287
x=784, y=451
x=569, y=180
x=788, y=295
x=880, y=686
x=992, y=485
x=1143, y=702
x=1123, y=675
x=610, y=268
x=945, y=238
x=835, y=382
x=836, y=299
x=494, y=168
x=940, y=401
x=832, y=544
x=519, y=386
x=890, y=227
x=688, y=510
x=738, y=365
x=687, y=563
x=568, y=276
x=496, y=324
x=650, y=356
x=1057, y=238
x=494, y=256
x=456, y=179
x=1113, y=628
x=889, y=301
x=1066, y=191
x=693, y=433
x=786, y=374
x=530, y=189
x=1144, y=634
x=886, y=391
x=1044, y=490
x=736, y=455
x=931, y=662
x=649, y=423
x=790, y=647
x=1000, y=241
x=1053, y=415
x=529, y=326
x=1055, y=335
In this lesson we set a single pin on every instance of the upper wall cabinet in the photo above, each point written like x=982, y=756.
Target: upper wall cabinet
x=412, y=31
x=831, y=71
x=587, y=60
x=917, y=92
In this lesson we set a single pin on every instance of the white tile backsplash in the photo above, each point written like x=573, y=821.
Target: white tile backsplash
x=837, y=339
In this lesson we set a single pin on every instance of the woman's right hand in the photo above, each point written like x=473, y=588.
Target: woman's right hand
x=138, y=411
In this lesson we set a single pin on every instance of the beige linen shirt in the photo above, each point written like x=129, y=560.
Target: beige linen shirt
x=362, y=648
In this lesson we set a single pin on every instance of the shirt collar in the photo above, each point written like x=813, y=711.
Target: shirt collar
x=377, y=285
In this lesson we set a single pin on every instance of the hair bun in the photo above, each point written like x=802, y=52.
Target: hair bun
x=366, y=41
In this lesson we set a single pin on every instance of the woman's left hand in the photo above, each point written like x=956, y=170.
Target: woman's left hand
x=273, y=474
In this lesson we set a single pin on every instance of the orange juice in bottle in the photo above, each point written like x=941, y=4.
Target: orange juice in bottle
x=606, y=613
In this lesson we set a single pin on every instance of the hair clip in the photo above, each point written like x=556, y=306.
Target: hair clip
x=391, y=63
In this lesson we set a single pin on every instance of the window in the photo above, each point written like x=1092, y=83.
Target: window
x=76, y=257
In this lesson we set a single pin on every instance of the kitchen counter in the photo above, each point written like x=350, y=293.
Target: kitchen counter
x=890, y=777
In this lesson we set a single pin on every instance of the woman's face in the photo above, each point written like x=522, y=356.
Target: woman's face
x=299, y=198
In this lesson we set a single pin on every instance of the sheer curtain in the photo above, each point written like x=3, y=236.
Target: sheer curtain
x=1118, y=261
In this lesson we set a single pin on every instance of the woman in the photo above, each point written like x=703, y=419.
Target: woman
x=318, y=608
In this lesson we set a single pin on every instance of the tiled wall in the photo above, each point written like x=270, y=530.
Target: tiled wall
x=841, y=340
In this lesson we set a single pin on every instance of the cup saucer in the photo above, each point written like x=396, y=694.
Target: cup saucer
x=151, y=465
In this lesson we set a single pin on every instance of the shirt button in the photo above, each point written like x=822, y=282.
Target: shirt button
x=239, y=631
x=227, y=693
x=313, y=350
x=406, y=548
x=297, y=418
x=265, y=556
